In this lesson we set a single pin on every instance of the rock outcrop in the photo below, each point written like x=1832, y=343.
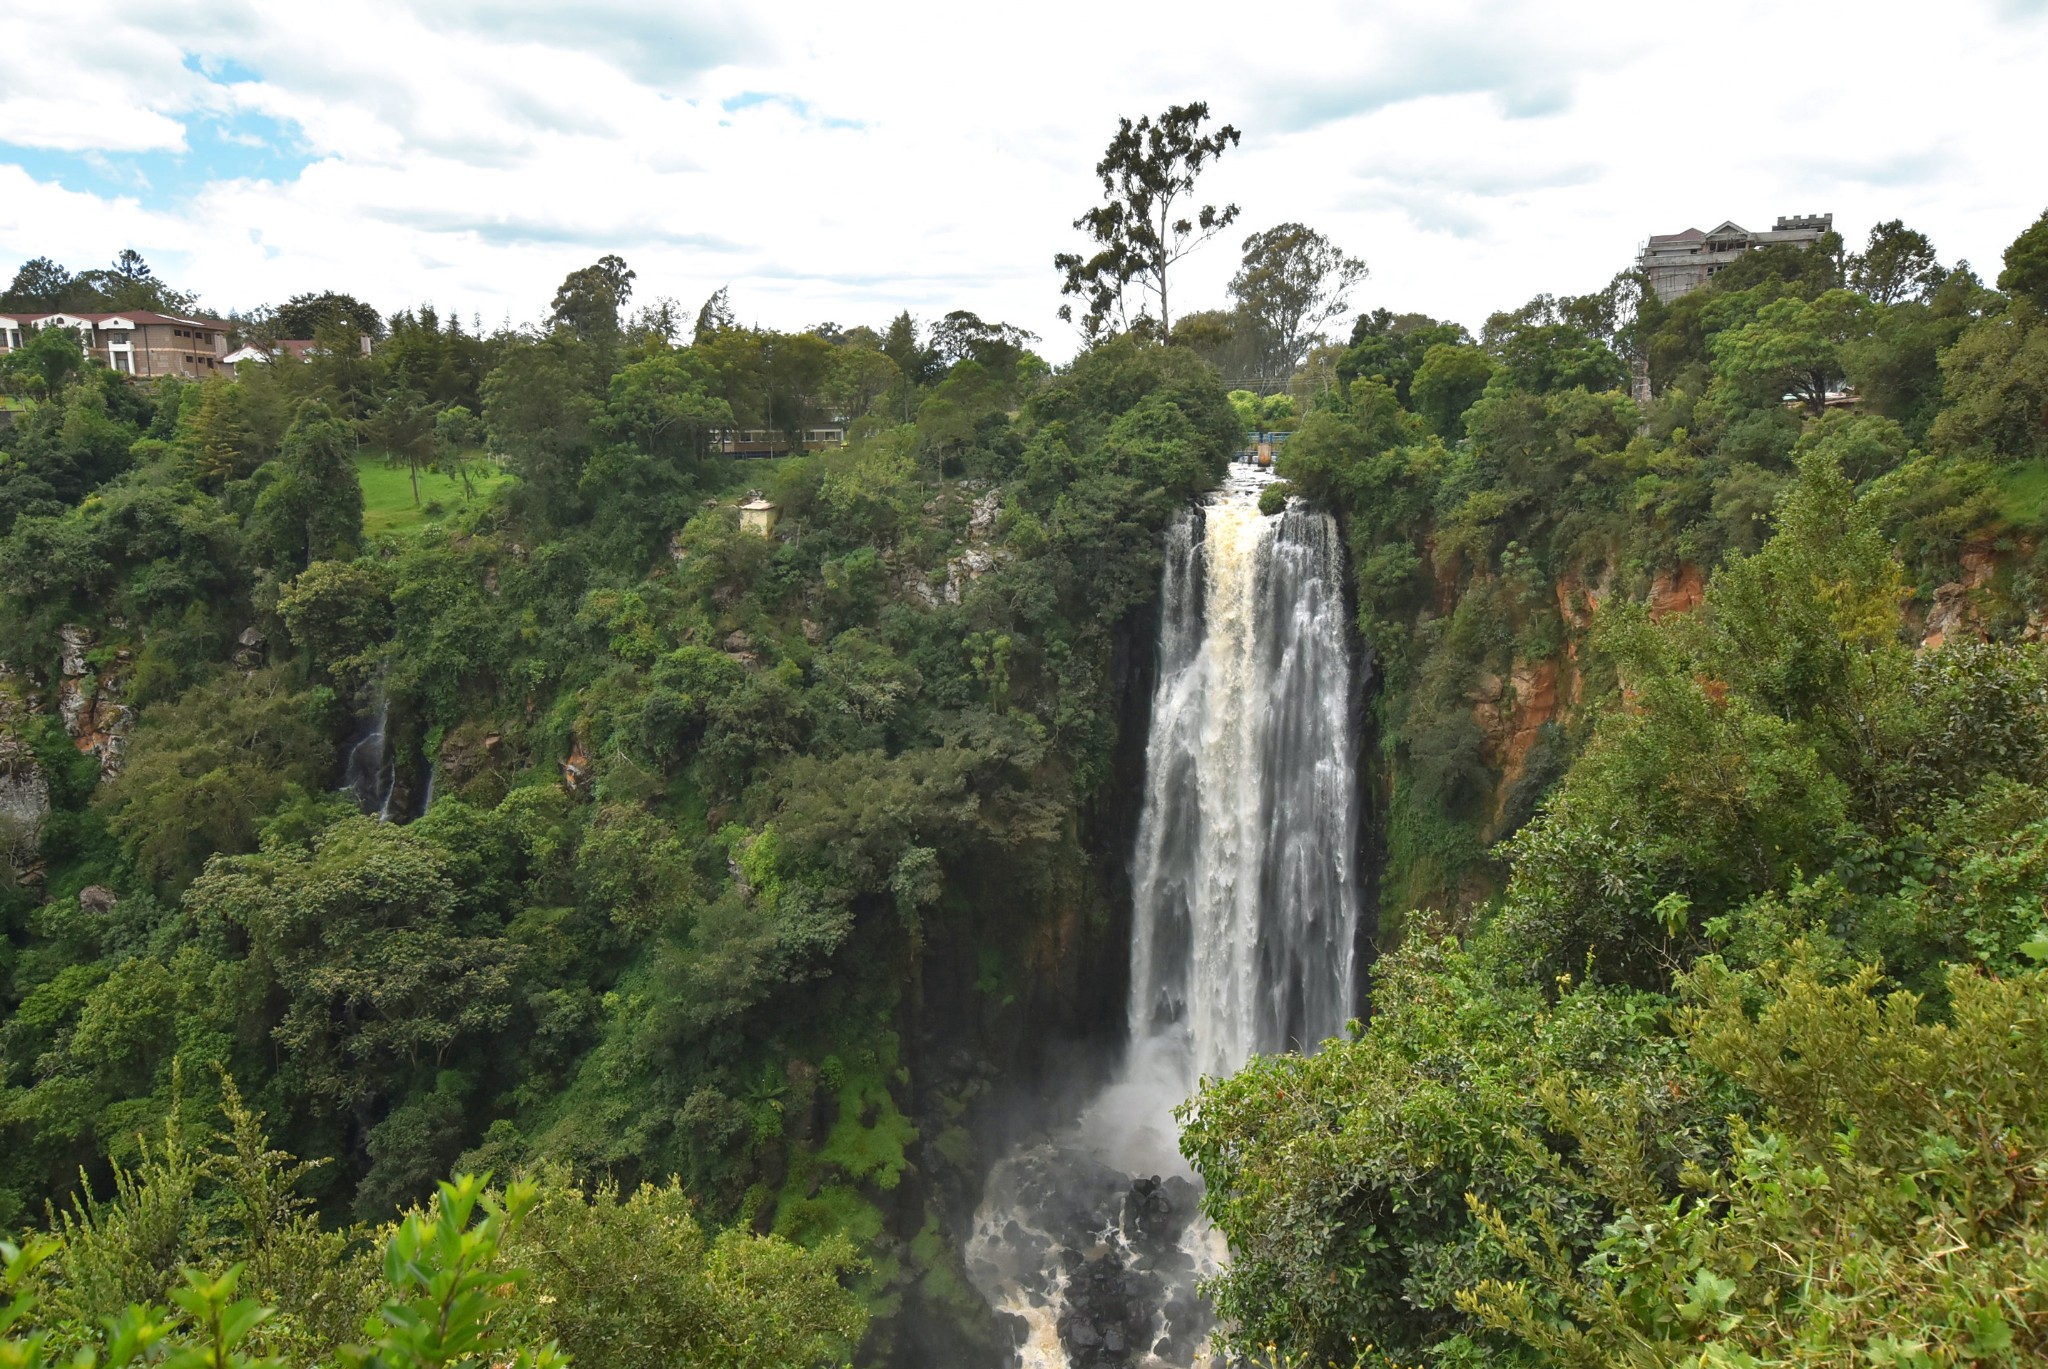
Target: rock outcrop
x=89, y=702
x=982, y=520
x=1677, y=591
x=576, y=768
x=1957, y=609
x=252, y=649
x=964, y=569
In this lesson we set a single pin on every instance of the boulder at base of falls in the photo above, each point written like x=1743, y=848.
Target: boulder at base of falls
x=1111, y=1307
x=1112, y=1253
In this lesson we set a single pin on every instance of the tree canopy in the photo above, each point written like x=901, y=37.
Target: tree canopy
x=1145, y=224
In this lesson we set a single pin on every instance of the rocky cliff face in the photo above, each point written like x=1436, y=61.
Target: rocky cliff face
x=1527, y=699
x=1983, y=600
x=1548, y=691
x=1529, y=709
x=89, y=701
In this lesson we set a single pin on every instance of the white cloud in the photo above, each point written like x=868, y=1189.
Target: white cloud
x=1476, y=152
x=76, y=84
x=87, y=125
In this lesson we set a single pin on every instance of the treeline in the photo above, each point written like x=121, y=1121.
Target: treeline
x=42, y=286
x=1717, y=838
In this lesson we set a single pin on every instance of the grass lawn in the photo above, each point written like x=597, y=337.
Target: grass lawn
x=387, y=494
x=2023, y=494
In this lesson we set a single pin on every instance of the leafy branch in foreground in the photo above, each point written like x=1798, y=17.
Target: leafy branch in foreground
x=451, y=1287
x=450, y=1303
x=1886, y=1206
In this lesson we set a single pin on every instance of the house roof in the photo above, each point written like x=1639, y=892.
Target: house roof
x=298, y=348
x=130, y=316
x=756, y=505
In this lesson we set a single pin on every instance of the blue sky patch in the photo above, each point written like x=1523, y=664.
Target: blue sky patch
x=221, y=70
x=240, y=146
x=750, y=99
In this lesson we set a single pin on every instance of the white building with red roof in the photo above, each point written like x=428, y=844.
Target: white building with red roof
x=134, y=342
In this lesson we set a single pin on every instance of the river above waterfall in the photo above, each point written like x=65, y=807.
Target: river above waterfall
x=1245, y=910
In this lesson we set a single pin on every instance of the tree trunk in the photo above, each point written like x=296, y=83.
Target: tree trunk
x=1165, y=227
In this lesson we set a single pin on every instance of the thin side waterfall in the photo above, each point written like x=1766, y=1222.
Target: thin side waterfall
x=1245, y=910
x=369, y=772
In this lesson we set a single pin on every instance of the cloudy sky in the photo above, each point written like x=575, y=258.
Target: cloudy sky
x=839, y=162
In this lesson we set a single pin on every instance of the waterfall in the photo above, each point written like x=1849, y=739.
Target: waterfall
x=1245, y=912
x=369, y=771
x=1245, y=902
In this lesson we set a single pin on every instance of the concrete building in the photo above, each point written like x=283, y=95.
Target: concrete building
x=134, y=342
x=757, y=515
x=1679, y=263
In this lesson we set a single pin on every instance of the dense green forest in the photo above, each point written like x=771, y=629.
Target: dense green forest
x=713, y=890
x=1712, y=737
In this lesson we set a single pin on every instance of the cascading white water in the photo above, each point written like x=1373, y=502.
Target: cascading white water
x=1245, y=902
x=1244, y=929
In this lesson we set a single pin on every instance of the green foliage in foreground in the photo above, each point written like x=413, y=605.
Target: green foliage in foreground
x=527, y=1277
x=1885, y=1206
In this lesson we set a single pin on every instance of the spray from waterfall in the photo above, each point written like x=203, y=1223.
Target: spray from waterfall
x=1244, y=929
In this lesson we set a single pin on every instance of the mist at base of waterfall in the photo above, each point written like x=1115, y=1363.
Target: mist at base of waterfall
x=1090, y=1243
